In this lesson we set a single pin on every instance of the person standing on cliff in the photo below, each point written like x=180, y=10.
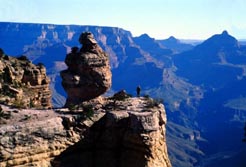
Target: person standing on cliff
x=138, y=90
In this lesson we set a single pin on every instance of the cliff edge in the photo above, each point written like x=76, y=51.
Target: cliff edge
x=104, y=132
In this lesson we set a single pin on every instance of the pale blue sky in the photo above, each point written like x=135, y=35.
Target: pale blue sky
x=184, y=19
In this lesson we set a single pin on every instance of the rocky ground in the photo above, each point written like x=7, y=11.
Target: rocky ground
x=114, y=131
x=20, y=116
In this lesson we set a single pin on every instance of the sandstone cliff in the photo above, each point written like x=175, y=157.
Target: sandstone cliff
x=23, y=84
x=108, y=132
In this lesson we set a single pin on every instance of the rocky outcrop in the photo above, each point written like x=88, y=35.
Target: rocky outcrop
x=33, y=138
x=129, y=132
x=88, y=74
x=23, y=84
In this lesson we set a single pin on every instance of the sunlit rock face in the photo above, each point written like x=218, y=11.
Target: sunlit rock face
x=88, y=74
x=23, y=84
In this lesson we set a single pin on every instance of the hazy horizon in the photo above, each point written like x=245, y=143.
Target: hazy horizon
x=160, y=19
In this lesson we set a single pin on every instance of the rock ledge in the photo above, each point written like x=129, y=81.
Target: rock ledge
x=128, y=133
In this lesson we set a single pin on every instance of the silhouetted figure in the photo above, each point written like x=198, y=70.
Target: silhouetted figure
x=138, y=90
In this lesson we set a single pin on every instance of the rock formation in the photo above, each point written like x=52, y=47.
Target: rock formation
x=23, y=84
x=93, y=131
x=129, y=132
x=88, y=74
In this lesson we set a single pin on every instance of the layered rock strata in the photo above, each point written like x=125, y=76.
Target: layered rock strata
x=23, y=84
x=129, y=133
x=88, y=74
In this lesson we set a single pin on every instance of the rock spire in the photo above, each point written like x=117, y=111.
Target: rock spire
x=88, y=74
